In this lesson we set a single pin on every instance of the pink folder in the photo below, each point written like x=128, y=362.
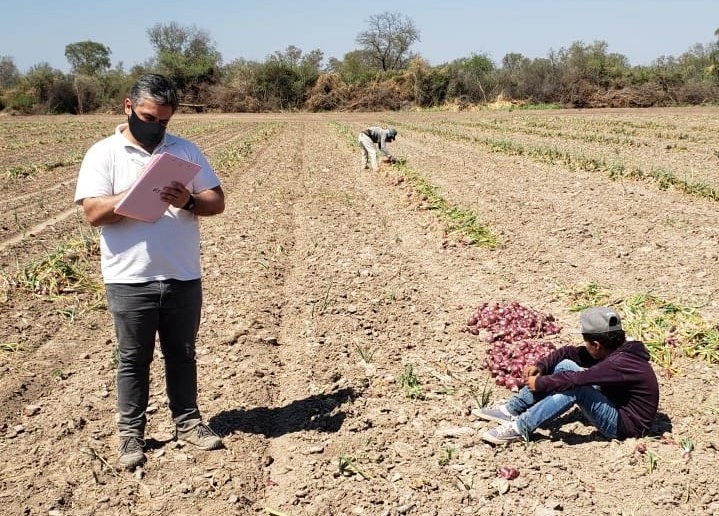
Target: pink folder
x=142, y=201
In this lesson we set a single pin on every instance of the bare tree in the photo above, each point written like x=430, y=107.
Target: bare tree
x=388, y=40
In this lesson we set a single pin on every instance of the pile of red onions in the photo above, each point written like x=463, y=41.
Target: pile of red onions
x=514, y=331
x=511, y=322
x=506, y=360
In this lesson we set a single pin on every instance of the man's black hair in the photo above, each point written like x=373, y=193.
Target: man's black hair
x=609, y=340
x=155, y=87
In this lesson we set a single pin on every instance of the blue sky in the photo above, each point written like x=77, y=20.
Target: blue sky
x=34, y=31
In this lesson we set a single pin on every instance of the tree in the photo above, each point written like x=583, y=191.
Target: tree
x=587, y=72
x=510, y=76
x=695, y=62
x=540, y=79
x=474, y=77
x=50, y=89
x=713, y=68
x=88, y=57
x=185, y=54
x=87, y=92
x=429, y=85
x=40, y=78
x=9, y=75
x=307, y=66
x=388, y=40
x=285, y=78
x=666, y=72
x=356, y=67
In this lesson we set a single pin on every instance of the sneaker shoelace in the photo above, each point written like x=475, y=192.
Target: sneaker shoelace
x=506, y=430
x=132, y=444
x=204, y=431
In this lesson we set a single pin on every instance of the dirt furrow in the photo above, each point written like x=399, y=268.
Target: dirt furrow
x=354, y=291
x=694, y=162
x=549, y=224
x=30, y=214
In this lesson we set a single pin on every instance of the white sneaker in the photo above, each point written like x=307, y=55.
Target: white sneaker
x=500, y=414
x=504, y=434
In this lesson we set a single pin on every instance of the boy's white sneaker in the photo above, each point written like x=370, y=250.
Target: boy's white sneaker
x=499, y=414
x=503, y=434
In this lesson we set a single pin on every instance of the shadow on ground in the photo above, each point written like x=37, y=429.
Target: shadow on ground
x=319, y=413
x=661, y=425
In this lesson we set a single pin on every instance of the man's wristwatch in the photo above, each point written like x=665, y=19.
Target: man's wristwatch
x=190, y=204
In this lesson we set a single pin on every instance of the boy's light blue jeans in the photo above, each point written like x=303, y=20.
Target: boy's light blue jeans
x=170, y=309
x=532, y=410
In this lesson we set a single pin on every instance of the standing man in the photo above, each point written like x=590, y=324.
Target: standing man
x=376, y=136
x=151, y=271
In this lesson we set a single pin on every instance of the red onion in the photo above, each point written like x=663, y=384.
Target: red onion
x=507, y=472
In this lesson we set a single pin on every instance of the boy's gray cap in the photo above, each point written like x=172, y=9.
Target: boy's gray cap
x=599, y=319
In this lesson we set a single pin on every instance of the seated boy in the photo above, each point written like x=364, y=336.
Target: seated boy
x=609, y=378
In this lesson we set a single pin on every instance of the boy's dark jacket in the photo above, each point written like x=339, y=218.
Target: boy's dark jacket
x=625, y=377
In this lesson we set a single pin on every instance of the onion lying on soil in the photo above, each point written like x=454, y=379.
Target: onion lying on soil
x=507, y=472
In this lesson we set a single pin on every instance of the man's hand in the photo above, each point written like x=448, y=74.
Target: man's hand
x=176, y=194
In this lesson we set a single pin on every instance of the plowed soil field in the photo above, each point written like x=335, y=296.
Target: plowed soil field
x=333, y=354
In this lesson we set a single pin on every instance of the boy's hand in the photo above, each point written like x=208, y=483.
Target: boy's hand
x=530, y=370
x=530, y=374
x=531, y=381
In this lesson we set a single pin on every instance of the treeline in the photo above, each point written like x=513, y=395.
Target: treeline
x=382, y=74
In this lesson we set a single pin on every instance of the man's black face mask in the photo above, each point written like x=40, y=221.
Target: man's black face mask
x=148, y=134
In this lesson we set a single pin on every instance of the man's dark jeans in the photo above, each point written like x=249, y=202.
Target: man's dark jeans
x=170, y=309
